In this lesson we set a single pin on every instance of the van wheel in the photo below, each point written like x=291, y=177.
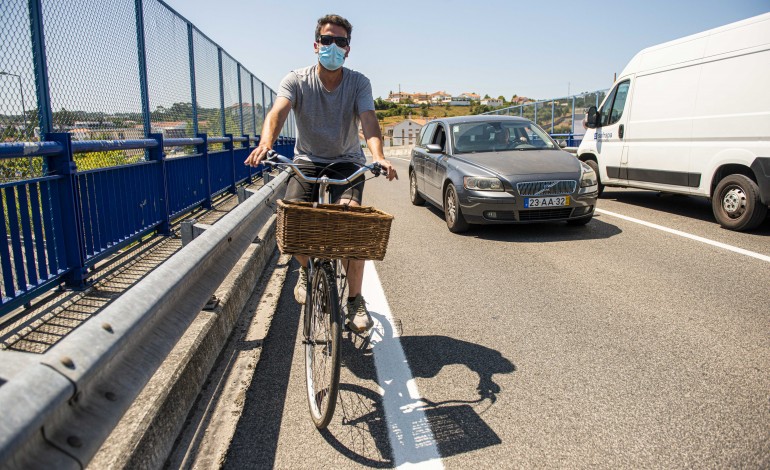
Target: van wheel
x=736, y=203
x=595, y=166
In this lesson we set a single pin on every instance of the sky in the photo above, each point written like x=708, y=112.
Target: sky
x=537, y=49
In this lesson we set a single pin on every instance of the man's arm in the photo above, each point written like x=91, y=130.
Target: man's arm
x=373, y=137
x=270, y=130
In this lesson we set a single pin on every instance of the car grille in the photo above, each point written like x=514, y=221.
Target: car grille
x=545, y=214
x=546, y=188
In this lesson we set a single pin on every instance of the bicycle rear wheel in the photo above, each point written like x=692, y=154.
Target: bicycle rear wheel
x=322, y=346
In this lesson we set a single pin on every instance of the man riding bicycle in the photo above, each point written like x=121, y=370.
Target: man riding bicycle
x=328, y=101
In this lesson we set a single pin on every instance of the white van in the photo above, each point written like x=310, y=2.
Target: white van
x=692, y=116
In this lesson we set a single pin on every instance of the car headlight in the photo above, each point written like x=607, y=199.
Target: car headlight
x=481, y=183
x=587, y=176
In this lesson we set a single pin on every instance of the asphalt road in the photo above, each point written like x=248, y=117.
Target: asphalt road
x=612, y=345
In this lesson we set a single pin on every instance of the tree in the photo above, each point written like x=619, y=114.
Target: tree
x=380, y=104
x=64, y=117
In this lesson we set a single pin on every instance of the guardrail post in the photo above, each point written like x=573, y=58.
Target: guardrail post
x=264, y=108
x=67, y=212
x=572, y=128
x=240, y=96
x=258, y=170
x=552, y=115
x=247, y=145
x=193, y=95
x=222, y=92
x=158, y=154
x=203, y=149
x=230, y=147
x=145, y=95
x=45, y=116
x=253, y=106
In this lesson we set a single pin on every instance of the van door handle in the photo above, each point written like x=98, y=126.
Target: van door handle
x=620, y=131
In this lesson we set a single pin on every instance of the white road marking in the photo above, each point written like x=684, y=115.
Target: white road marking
x=690, y=236
x=410, y=434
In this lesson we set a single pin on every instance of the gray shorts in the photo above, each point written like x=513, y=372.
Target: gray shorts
x=300, y=190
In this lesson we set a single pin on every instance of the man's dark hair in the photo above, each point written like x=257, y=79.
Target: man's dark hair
x=336, y=20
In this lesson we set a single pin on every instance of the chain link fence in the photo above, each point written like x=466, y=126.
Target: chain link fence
x=100, y=78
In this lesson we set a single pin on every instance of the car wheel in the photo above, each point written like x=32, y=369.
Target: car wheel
x=454, y=217
x=595, y=166
x=414, y=195
x=736, y=203
x=579, y=222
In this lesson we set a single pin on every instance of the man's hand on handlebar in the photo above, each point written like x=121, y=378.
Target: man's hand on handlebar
x=257, y=155
x=388, y=170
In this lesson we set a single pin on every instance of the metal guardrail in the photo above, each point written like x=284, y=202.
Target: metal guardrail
x=59, y=225
x=59, y=407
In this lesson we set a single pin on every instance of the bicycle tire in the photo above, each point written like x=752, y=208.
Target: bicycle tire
x=322, y=346
x=341, y=278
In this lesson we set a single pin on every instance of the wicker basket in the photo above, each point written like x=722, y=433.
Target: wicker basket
x=332, y=231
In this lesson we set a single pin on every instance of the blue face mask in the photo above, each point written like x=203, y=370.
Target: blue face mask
x=331, y=57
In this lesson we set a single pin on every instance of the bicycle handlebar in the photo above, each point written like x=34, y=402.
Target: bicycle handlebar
x=275, y=159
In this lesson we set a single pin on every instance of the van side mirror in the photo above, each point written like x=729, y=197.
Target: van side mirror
x=433, y=148
x=592, y=118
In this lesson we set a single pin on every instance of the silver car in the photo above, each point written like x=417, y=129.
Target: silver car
x=499, y=169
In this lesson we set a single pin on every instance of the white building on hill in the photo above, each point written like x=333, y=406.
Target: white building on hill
x=405, y=132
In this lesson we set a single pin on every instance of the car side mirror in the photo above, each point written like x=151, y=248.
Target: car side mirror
x=592, y=118
x=433, y=148
x=563, y=144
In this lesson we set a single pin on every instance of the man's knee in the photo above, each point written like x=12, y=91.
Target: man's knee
x=348, y=202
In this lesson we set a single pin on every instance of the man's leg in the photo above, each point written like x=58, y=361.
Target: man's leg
x=355, y=272
x=357, y=317
x=299, y=190
x=300, y=289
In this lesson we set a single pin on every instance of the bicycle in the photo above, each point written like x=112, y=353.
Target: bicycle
x=324, y=301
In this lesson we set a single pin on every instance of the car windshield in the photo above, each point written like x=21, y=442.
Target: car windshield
x=498, y=136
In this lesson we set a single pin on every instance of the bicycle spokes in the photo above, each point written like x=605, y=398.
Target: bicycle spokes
x=322, y=352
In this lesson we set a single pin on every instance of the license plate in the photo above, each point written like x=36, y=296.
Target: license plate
x=560, y=201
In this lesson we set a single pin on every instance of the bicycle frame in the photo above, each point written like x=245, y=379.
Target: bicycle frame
x=324, y=300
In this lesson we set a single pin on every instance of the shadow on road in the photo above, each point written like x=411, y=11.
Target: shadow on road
x=542, y=232
x=456, y=424
x=693, y=207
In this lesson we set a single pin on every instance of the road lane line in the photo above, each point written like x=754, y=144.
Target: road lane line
x=688, y=235
x=409, y=432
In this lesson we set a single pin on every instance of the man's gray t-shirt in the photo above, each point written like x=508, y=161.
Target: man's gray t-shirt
x=327, y=122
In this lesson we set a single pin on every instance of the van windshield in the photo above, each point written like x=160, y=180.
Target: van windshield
x=497, y=136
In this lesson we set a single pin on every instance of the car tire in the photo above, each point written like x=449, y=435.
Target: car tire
x=595, y=166
x=579, y=222
x=452, y=213
x=736, y=203
x=414, y=195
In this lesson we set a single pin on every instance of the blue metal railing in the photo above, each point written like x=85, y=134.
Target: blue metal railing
x=168, y=89
x=59, y=225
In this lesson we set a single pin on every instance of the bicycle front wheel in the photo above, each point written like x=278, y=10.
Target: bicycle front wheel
x=322, y=346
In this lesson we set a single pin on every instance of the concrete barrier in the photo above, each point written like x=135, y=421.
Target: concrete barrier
x=145, y=436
